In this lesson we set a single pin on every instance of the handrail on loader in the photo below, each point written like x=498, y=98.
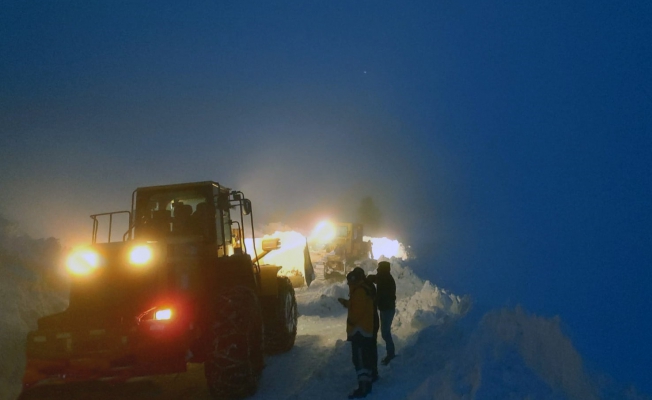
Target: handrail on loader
x=96, y=224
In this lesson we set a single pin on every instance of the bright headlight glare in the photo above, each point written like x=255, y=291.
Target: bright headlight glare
x=163, y=314
x=83, y=261
x=324, y=232
x=141, y=255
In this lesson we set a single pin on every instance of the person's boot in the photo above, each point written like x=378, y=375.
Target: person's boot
x=364, y=388
x=387, y=359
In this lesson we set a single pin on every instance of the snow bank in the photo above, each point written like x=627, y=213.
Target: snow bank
x=510, y=354
x=419, y=303
x=28, y=275
x=320, y=299
x=542, y=346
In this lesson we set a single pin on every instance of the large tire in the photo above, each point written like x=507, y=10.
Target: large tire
x=235, y=361
x=281, y=328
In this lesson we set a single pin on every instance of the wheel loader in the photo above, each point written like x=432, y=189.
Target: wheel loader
x=344, y=249
x=178, y=287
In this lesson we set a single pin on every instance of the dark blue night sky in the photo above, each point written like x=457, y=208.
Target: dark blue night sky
x=509, y=144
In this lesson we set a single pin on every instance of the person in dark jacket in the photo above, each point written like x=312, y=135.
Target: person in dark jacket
x=374, y=351
x=386, y=302
x=359, y=330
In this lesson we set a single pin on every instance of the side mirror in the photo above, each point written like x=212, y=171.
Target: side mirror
x=246, y=206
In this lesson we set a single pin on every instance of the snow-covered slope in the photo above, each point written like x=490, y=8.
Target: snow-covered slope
x=507, y=354
x=27, y=290
x=443, y=353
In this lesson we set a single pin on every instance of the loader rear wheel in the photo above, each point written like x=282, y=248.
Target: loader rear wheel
x=235, y=361
x=281, y=330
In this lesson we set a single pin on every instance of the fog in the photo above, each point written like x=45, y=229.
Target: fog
x=508, y=145
x=298, y=162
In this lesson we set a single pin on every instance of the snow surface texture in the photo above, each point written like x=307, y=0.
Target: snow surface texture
x=25, y=295
x=507, y=354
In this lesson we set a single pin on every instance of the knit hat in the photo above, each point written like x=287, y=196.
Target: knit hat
x=355, y=276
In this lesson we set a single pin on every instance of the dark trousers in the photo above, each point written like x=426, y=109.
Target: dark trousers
x=386, y=318
x=374, y=355
x=362, y=354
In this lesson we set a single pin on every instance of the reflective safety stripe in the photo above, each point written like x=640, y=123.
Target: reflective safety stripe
x=63, y=335
x=96, y=332
x=364, y=372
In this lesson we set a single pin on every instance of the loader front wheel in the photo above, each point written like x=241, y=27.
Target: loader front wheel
x=281, y=331
x=234, y=361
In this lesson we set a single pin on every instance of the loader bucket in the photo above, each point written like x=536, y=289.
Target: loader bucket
x=62, y=353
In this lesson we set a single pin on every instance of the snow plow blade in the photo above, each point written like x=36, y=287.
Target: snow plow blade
x=62, y=356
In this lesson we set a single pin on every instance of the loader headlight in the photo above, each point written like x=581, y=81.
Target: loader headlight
x=141, y=255
x=324, y=232
x=83, y=261
x=163, y=314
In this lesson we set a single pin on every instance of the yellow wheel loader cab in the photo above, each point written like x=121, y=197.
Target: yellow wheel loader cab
x=178, y=287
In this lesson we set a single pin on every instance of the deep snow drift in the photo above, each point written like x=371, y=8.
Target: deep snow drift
x=443, y=353
x=28, y=289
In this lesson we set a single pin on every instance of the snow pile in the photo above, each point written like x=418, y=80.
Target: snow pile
x=509, y=355
x=428, y=306
x=541, y=345
x=419, y=303
x=320, y=299
x=28, y=279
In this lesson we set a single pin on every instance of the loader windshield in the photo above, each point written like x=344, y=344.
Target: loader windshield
x=163, y=213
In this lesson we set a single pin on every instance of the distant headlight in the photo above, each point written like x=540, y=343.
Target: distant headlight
x=141, y=255
x=83, y=261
